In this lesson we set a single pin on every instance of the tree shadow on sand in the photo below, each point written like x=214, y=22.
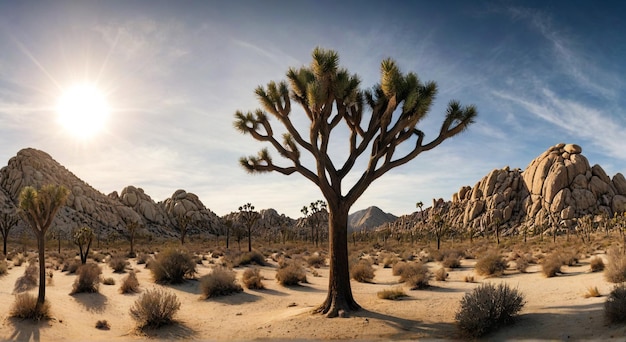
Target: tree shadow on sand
x=174, y=331
x=94, y=302
x=26, y=330
x=408, y=329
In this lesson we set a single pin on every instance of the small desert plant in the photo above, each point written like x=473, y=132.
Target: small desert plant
x=291, y=274
x=4, y=268
x=615, y=305
x=521, y=264
x=316, y=260
x=491, y=264
x=451, y=260
x=392, y=294
x=592, y=291
x=615, y=270
x=172, y=266
x=25, y=306
x=551, y=265
x=362, y=271
x=389, y=260
x=18, y=259
x=220, y=282
x=108, y=281
x=71, y=266
x=130, y=284
x=487, y=308
x=468, y=279
x=252, y=279
x=155, y=308
x=596, y=264
x=441, y=274
x=118, y=264
x=103, y=325
x=28, y=280
x=414, y=274
x=88, y=279
x=248, y=258
x=143, y=258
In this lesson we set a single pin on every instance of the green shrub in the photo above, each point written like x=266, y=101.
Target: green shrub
x=130, y=284
x=615, y=305
x=220, y=282
x=172, y=266
x=392, y=294
x=551, y=265
x=88, y=279
x=291, y=274
x=596, y=264
x=118, y=264
x=615, y=270
x=252, y=279
x=155, y=308
x=362, y=271
x=25, y=307
x=491, y=264
x=29, y=280
x=488, y=307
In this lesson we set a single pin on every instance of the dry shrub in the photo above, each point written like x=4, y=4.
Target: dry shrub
x=103, y=325
x=569, y=258
x=25, y=306
x=88, y=279
x=592, y=291
x=362, y=271
x=452, y=260
x=252, y=279
x=468, y=279
x=18, y=259
x=172, y=266
x=615, y=305
x=414, y=274
x=130, y=284
x=4, y=268
x=441, y=274
x=596, y=264
x=521, y=264
x=118, y=264
x=28, y=280
x=316, y=260
x=551, y=265
x=291, y=274
x=155, y=308
x=143, y=258
x=615, y=270
x=108, y=281
x=487, y=308
x=389, y=260
x=250, y=258
x=220, y=282
x=491, y=264
x=71, y=266
x=392, y=294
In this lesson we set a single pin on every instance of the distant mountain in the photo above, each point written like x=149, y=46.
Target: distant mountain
x=369, y=218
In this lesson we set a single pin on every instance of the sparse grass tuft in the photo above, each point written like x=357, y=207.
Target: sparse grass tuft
x=468, y=279
x=25, y=307
x=596, y=264
x=220, y=282
x=392, y=294
x=103, y=325
x=592, y=291
x=108, y=281
x=155, y=308
x=250, y=258
x=441, y=274
x=4, y=268
x=362, y=271
x=252, y=279
x=615, y=270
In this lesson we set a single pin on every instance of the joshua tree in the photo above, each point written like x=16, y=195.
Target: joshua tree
x=8, y=220
x=38, y=208
x=133, y=228
x=183, y=222
x=249, y=217
x=382, y=120
x=420, y=205
x=82, y=237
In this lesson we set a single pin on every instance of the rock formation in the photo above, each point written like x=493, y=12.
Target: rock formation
x=369, y=218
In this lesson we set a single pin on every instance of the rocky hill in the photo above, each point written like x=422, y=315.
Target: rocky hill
x=369, y=218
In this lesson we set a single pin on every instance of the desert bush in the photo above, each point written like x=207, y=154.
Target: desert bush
x=71, y=266
x=88, y=279
x=592, y=291
x=143, y=258
x=249, y=258
x=414, y=274
x=452, y=260
x=252, y=279
x=108, y=281
x=615, y=270
x=172, y=266
x=389, y=259
x=155, y=308
x=118, y=264
x=291, y=274
x=441, y=274
x=130, y=284
x=25, y=307
x=362, y=271
x=488, y=307
x=596, y=264
x=551, y=265
x=468, y=279
x=4, y=268
x=521, y=264
x=103, y=325
x=615, y=305
x=491, y=264
x=18, y=259
x=220, y=282
x=29, y=280
x=392, y=294
x=316, y=260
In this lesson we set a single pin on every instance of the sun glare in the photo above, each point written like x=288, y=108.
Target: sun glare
x=83, y=110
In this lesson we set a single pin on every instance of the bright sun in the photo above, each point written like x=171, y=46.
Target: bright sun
x=83, y=110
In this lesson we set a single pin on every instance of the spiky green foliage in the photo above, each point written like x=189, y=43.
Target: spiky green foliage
x=82, y=237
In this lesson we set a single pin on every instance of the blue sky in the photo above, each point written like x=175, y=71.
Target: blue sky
x=174, y=74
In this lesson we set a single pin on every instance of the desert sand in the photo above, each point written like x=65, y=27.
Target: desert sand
x=555, y=309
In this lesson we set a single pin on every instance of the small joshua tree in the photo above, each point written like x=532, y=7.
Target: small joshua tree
x=8, y=220
x=249, y=218
x=82, y=237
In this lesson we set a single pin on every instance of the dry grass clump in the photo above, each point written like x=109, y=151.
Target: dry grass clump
x=25, y=307
x=220, y=282
x=118, y=264
x=71, y=266
x=155, y=308
x=130, y=284
x=389, y=259
x=414, y=274
x=441, y=274
x=491, y=264
x=487, y=308
x=392, y=294
x=172, y=266
x=615, y=270
x=103, y=325
x=29, y=280
x=362, y=271
x=18, y=259
x=143, y=258
x=521, y=264
x=108, y=281
x=316, y=260
x=252, y=279
x=291, y=274
x=596, y=264
x=88, y=279
x=468, y=279
x=551, y=265
x=615, y=305
x=592, y=291
x=4, y=268
x=452, y=260
x=249, y=258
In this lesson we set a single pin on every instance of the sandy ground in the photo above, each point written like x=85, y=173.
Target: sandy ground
x=555, y=310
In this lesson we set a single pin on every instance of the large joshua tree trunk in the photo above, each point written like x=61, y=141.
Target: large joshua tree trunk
x=339, y=300
x=41, y=246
